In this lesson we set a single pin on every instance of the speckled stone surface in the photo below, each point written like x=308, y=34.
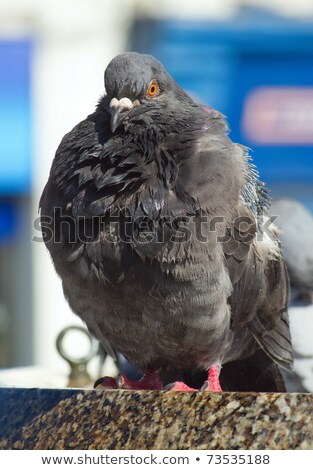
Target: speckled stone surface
x=100, y=419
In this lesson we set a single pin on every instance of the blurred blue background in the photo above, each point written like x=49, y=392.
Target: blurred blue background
x=254, y=65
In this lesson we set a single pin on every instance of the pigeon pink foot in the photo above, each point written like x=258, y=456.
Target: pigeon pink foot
x=210, y=385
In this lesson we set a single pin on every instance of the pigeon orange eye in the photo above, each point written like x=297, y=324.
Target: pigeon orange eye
x=153, y=89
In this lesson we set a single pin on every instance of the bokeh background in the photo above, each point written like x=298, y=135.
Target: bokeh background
x=252, y=59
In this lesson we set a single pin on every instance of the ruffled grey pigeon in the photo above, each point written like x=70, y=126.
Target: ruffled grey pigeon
x=154, y=220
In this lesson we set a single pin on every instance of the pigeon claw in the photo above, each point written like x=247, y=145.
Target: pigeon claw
x=108, y=383
x=208, y=387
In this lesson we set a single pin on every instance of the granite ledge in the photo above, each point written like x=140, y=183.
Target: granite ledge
x=110, y=419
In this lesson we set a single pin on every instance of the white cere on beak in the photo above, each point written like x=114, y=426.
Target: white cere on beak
x=120, y=110
x=124, y=103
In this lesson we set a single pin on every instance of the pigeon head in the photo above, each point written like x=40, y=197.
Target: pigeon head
x=138, y=89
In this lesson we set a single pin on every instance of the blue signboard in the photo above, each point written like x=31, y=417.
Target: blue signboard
x=15, y=117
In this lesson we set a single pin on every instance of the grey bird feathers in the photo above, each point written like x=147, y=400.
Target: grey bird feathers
x=154, y=221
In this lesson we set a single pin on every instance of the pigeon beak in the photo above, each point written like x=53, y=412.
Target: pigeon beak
x=116, y=119
x=119, y=110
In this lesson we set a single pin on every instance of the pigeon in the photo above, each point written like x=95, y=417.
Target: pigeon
x=296, y=224
x=157, y=224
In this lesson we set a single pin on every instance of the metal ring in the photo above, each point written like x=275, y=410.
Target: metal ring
x=80, y=360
